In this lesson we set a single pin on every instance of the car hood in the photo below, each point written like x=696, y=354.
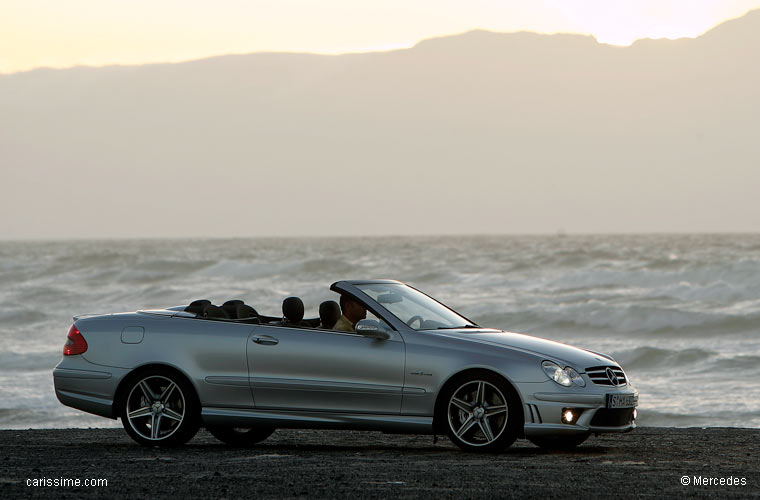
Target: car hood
x=578, y=358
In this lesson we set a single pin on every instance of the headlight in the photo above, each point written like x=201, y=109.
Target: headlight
x=575, y=376
x=564, y=377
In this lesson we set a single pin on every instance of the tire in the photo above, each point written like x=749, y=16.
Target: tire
x=481, y=412
x=159, y=408
x=558, y=442
x=240, y=436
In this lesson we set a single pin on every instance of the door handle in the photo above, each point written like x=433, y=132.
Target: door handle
x=265, y=340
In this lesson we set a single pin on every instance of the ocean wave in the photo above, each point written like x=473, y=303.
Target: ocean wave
x=14, y=361
x=654, y=418
x=656, y=302
x=596, y=318
x=22, y=316
x=326, y=267
x=647, y=358
x=746, y=363
x=34, y=418
x=231, y=269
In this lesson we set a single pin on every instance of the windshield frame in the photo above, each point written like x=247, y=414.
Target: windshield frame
x=397, y=321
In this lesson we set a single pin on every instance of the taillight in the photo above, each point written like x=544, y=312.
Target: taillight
x=75, y=343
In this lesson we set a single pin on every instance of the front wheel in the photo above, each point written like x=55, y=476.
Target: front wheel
x=482, y=412
x=159, y=409
x=558, y=442
x=239, y=436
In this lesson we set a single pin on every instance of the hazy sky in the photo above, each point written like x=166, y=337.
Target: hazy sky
x=57, y=33
x=476, y=133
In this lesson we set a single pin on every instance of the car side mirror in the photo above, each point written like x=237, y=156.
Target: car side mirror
x=373, y=329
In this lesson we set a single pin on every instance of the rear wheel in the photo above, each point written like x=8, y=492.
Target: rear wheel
x=159, y=408
x=558, y=442
x=240, y=436
x=482, y=413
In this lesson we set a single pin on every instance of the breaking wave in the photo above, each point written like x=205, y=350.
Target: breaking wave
x=659, y=303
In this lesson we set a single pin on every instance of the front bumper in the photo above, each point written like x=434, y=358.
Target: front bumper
x=543, y=411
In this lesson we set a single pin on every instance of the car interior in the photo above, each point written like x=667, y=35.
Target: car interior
x=292, y=313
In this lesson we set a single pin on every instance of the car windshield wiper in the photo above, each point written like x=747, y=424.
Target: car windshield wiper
x=456, y=327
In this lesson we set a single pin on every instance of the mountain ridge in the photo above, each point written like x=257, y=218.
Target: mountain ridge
x=488, y=136
x=755, y=13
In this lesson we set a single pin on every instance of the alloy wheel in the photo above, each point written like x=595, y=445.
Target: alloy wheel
x=478, y=413
x=155, y=408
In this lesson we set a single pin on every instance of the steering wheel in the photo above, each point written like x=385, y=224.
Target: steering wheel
x=414, y=318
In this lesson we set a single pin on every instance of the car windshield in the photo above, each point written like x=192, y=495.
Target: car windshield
x=414, y=308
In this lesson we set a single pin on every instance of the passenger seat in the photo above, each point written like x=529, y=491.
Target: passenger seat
x=329, y=313
x=292, y=312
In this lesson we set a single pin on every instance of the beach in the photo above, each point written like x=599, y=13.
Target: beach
x=650, y=462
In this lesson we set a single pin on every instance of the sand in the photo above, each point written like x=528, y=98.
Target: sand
x=646, y=463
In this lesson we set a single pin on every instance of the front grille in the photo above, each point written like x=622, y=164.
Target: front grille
x=607, y=375
x=612, y=417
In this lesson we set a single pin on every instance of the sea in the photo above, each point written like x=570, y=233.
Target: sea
x=681, y=313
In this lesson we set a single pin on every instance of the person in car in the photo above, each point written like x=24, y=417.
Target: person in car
x=352, y=313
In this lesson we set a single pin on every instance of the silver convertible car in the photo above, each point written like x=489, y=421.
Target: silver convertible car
x=391, y=359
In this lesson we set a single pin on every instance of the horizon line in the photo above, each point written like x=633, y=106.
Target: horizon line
x=558, y=234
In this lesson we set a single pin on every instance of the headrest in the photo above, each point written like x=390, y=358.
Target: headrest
x=231, y=307
x=292, y=309
x=212, y=311
x=329, y=312
x=197, y=306
x=245, y=311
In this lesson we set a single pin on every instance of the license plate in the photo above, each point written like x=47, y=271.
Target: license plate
x=621, y=400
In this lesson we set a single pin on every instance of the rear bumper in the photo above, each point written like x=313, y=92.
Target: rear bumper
x=85, y=386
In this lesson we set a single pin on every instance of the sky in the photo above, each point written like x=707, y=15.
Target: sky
x=54, y=33
x=482, y=133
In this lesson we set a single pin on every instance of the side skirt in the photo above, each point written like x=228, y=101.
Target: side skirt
x=395, y=424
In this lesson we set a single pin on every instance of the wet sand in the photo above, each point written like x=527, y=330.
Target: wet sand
x=646, y=463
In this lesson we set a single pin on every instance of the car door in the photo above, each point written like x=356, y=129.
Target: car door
x=212, y=353
x=313, y=369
